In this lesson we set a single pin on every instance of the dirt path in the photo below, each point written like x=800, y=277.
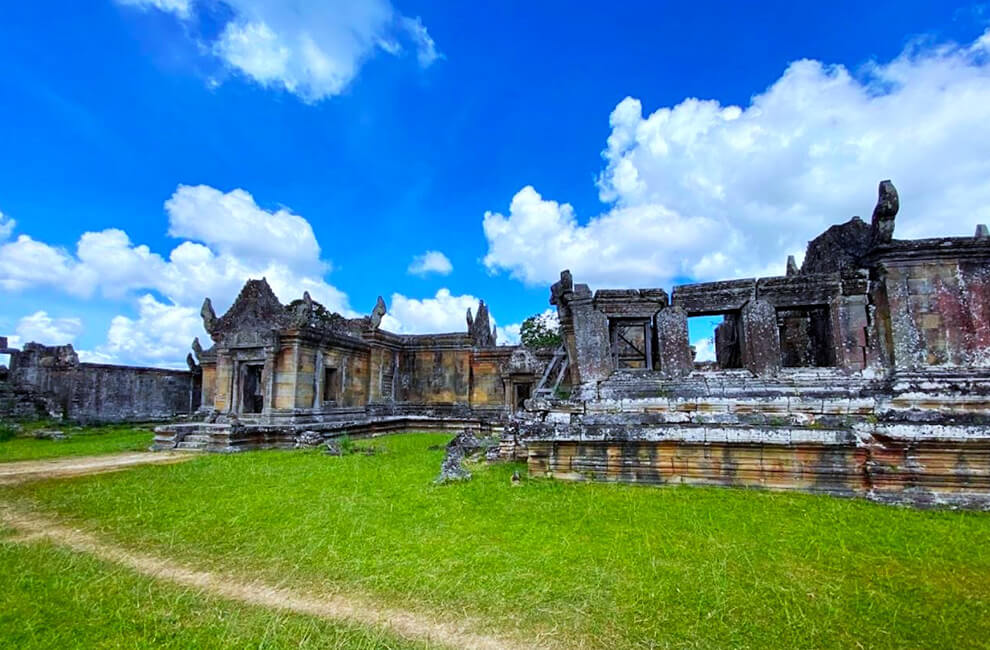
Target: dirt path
x=33, y=527
x=32, y=470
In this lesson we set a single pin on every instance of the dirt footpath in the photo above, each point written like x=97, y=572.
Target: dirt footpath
x=347, y=608
x=33, y=470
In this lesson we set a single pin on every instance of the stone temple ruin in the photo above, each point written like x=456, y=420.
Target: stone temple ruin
x=865, y=372
x=275, y=373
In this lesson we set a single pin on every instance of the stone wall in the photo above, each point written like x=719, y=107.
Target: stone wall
x=921, y=438
x=866, y=372
x=89, y=392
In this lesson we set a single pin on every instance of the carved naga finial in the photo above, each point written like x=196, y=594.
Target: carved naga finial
x=883, y=214
x=209, y=317
x=479, y=328
x=197, y=349
x=377, y=313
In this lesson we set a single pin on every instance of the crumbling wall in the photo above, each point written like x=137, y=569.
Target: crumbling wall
x=90, y=392
x=430, y=372
x=864, y=373
x=938, y=303
x=921, y=439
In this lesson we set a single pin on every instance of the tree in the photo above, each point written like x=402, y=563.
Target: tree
x=540, y=331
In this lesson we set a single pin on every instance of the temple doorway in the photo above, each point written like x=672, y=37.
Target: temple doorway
x=252, y=391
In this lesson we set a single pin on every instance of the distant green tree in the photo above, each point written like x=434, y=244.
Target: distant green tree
x=540, y=331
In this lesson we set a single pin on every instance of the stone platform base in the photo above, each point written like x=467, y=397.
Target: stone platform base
x=233, y=437
x=953, y=473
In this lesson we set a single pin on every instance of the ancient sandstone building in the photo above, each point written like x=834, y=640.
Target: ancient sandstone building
x=276, y=372
x=864, y=372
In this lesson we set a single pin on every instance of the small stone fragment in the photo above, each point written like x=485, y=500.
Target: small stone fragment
x=50, y=434
x=308, y=439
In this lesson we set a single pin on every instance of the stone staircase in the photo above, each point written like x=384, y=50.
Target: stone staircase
x=194, y=442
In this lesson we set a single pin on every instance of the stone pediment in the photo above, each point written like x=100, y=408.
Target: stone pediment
x=256, y=310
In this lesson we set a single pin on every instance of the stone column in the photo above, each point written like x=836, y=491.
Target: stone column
x=269, y=375
x=675, y=345
x=591, y=341
x=760, y=338
x=318, y=379
x=908, y=346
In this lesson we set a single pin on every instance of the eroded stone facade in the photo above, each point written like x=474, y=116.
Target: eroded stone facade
x=50, y=382
x=274, y=372
x=866, y=372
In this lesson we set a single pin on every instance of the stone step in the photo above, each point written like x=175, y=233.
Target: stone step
x=192, y=446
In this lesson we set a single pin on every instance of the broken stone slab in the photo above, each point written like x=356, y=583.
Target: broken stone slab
x=675, y=351
x=463, y=445
x=308, y=439
x=50, y=434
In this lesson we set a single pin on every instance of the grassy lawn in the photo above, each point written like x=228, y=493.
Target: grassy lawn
x=82, y=441
x=51, y=598
x=593, y=565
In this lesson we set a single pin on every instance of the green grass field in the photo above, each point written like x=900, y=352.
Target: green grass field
x=589, y=565
x=51, y=598
x=82, y=441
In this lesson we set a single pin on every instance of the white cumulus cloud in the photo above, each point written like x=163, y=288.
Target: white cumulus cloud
x=159, y=336
x=443, y=312
x=426, y=49
x=431, y=262
x=311, y=48
x=6, y=226
x=704, y=349
x=180, y=8
x=39, y=327
x=216, y=265
x=707, y=191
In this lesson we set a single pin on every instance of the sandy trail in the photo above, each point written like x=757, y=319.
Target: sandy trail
x=32, y=470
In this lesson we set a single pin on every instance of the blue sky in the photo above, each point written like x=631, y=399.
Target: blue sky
x=157, y=151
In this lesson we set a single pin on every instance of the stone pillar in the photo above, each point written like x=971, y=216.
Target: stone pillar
x=727, y=351
x=318, y=379
x=854, y=351
x=760, y=338
x=268, y=375
x=675, y=350
x=594, y=353
x=907, y=344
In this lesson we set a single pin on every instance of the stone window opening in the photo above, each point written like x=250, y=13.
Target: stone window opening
x=806, y=337
x=632, y=343
x=331, y=384
x=716, y=339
